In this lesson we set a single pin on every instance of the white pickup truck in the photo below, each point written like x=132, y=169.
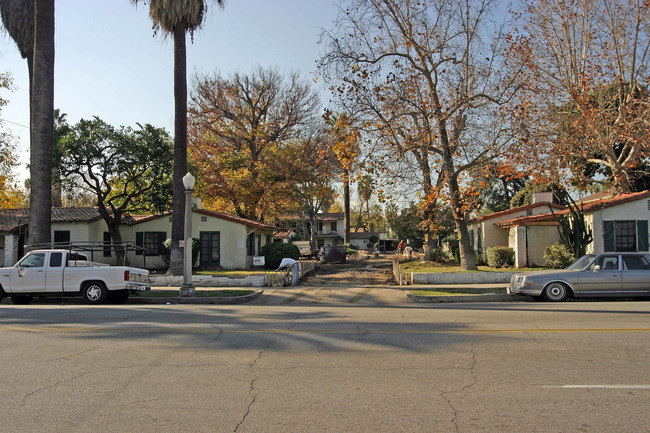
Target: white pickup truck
x=64, y=272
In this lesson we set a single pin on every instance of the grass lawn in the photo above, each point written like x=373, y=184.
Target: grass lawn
x=433, y=267
x=460, y=291
x=172, y=293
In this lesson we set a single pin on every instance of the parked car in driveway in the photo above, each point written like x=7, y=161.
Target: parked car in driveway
x=607, y=274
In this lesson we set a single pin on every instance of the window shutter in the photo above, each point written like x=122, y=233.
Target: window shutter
x=139, y=242
x=642, y=235
x=609, y=236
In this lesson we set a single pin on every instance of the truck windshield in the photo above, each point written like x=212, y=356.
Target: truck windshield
x=36, y=260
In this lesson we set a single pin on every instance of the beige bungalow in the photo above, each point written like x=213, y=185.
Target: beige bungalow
x=618, y=223
x=227, y=241
x=485, y=231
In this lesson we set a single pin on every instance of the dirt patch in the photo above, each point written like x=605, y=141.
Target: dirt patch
x=370, y=272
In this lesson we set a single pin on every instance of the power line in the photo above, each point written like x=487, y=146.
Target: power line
x=13, y=123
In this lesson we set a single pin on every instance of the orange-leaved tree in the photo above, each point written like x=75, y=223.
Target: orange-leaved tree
x=427, y=79
x=586, y=104
x=243, y=131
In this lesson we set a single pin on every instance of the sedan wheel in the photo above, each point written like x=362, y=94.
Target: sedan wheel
x=556, y=292
x=95, y=293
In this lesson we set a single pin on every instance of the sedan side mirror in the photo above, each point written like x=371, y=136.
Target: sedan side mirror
x=596, y=269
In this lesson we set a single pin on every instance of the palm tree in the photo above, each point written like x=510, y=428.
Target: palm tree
x=30, y=23
x=176, y=18
x=18, y=21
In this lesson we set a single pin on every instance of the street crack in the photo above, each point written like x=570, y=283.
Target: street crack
x=252, y=390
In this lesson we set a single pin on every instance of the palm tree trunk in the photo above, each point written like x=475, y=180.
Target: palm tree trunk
x=346, y=208
x=180, y=150
x=41, y=124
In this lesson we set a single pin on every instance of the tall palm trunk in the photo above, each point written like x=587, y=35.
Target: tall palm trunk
x=346, y=208
x=41, y=123
x=180, y=149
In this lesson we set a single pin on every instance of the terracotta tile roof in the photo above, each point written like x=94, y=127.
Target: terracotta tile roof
x=12, y=219
x=615, y=201
x=587, y=207
x=363, y=235
x=236, y=219
x=519, y=209
x=283, y=233
x=332, y=216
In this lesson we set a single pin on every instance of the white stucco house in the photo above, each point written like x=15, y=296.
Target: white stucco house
x=330, y=228
x=227, y=241
x=618, y=223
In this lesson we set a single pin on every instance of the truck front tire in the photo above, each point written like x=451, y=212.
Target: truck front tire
x=94, y=292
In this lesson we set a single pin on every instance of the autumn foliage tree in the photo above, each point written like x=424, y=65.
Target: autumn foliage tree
x=243, y=130
x=10, y=195
x=586, y=104
x=425, y=77
x=344, y=137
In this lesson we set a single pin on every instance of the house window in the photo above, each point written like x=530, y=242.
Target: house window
x=625, y=235
x=250, y=244
x=320, y=226
x=61, y=236
x=333, y=226
x=151, y=241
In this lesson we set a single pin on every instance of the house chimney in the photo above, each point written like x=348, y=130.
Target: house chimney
x=197, y=203
x=541, y=197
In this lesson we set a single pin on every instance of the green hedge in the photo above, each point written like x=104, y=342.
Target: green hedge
x=276, y=251
x=558, y=256
x=498, y=257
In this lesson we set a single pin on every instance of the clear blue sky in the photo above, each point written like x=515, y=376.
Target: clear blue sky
x=109, y=64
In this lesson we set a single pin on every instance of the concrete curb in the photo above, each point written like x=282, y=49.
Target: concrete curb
x=136, y=300
x=196, y=299
x=488, y=297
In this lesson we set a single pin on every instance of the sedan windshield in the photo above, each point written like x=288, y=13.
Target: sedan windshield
x=582, y=262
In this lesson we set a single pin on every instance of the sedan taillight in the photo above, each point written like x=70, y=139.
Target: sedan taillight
x=127, y=275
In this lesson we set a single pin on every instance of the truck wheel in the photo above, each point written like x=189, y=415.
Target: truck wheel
x=21, y=299
x=94, y=292
x=118, y=296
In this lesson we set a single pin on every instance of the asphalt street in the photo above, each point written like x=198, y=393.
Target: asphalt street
x=494, y=367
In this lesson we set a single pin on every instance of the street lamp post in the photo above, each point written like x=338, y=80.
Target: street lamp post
x=187, y=289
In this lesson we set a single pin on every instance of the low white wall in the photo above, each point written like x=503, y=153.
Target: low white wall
x=258, y=280
x=460, y=277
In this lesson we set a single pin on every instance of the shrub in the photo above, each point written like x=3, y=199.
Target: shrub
x=478, y=258
x=558, y=256
x=438, y=255
x=498, y=257
x=276, y=251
